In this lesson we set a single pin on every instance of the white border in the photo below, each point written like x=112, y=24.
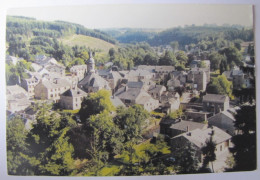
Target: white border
x=36, y=3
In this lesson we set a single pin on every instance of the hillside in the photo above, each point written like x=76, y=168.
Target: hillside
x=29, y=27
x=184, y=35
x=89, y=42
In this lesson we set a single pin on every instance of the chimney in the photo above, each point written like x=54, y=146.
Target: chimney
x=126, y=88
x=187, y=129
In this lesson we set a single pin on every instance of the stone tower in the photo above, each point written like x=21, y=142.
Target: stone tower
x=91, y=64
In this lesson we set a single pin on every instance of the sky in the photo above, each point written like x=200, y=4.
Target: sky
x=142, y=15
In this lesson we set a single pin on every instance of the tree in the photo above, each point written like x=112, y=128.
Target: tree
x=244, y=150
x=232, y=54
x=181, y=57
x=215, y=59
x=94, y=104
x=16, y=146
x=49, y=150
x=209, y=152
x=130, y=121
x=186, y=159
x=168, y=59
x=150, y=59
x=220, y=85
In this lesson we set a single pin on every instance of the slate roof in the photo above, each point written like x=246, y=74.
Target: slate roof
x=130, y=94
x=74, y=92
x=156, y=88
x=116, y=101
x=199, y=136
x=221, y=115
x=215, y=98
x=78, y=67
x=94, y=80
x=156, y=68
x=135, y=84
x=139, y=72
x=15, y=89
x=182, y=125
x=57, y=83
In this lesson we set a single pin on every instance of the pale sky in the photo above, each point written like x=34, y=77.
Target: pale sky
x=142, y=15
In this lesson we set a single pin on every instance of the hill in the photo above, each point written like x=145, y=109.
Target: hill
x=28, y=27
x=89, y=42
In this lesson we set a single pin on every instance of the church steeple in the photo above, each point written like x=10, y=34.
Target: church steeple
x=91, y=64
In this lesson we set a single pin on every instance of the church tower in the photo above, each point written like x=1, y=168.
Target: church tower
x=91, y=64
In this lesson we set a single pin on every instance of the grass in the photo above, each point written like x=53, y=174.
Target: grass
x=109, y=170
x=93, y=43
x=71, y=111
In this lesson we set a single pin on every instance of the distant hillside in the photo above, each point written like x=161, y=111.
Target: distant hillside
x=28, y=27
x=184, y=35
x=131, y=35
x=194, y=34
x=91, y=42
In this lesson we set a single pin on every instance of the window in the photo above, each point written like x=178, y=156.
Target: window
x=220, y=147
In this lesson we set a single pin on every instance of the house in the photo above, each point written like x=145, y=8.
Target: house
x=180, y=126
x=55, y=68
x=17, y=98
x=29, y=116
x=170, y=102
x=139, y=75
x=72, y=98
x=178, y=79
x=78, y=71
x=198, y=138
x=29, y=83
x=206, y=70
x=12, y=60
x=198, y=80
x=156, y=91
x=92, y=82
x=134, y=93
x=158, y=71
x=238, y=78
x=114, y=78
x=215, y=103
x=51, y=90
x=44, y=61
x=197, y=115
x=225, y=121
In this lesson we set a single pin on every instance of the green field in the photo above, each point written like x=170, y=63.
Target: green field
x=93, y=43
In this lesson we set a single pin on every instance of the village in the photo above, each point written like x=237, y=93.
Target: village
x=160, y=90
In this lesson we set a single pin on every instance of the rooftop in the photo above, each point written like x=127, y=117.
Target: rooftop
x=215, y=98
x=183, y=125
x=199, y=136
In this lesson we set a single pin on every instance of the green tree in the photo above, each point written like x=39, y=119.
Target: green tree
x=232, y=54
x=168, y=59
x=49, y=150
x=244, y=150
x=181, y=57
x=215, y=59
x=130, y=121
x=220, y=85
x=16, y=146
x=186, y=159
x=94, y=104
x=209, y=152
